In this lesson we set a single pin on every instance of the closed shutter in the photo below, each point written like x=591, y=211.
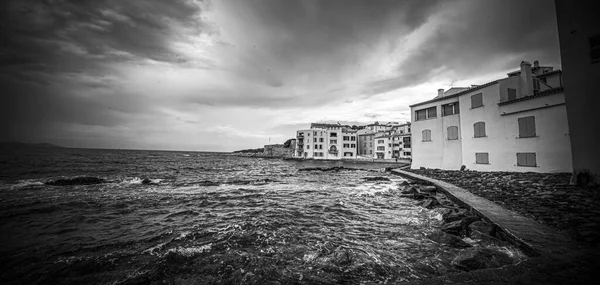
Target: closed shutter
x=531, y=159
x=526, y=159
x=527, y=127
x=481, y=158
x=476, y=100
x=512, y=94
x=453, y=133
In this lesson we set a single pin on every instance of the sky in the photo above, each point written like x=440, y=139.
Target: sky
x=228, y=75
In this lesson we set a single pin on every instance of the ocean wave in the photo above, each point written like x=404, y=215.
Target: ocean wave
x=25, y=184
x=139, y=181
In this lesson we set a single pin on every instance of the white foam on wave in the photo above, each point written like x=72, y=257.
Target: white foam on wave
x=137, y=180
x=191, y=251
x=23, y=184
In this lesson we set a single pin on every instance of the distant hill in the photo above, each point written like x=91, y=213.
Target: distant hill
x=20, y=145
x=253, y=150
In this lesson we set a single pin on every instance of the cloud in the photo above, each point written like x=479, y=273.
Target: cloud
x=230, y=74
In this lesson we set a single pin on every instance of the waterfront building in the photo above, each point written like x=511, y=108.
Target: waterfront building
x=326, y=141
x=579, y=38
x=517, y=123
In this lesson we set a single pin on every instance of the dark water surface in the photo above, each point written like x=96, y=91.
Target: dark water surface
x=207, y=218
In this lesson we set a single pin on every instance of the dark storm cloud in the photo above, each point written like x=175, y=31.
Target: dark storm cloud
x=477, y=34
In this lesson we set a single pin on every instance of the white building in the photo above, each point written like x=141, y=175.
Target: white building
x=517, y=123
x=326, y=141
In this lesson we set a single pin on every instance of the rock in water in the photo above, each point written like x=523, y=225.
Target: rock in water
x=454, y=228
x=450, y=240
x=455, y=216
x=480, y=258
x=83, y=180
x=462, y=168
x=146, y=181
x=376, y=178
x=409, y=190
x=430, y=203
x=482, y=227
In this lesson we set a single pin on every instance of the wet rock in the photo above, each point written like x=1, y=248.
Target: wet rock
x=208, y=183
x=454, y=228
x=427, y=189
x=462, y=168
x=466, y=221
x=343, y=257
x=455, y=215
x=83, y=180
x=146, y=181
x=430, y=203
x=447, y=239
x=480, y=258
x=482, y=227
x=376, y=178
x=409, y=190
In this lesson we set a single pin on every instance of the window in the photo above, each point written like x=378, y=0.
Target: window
x=346, y=138
x=477, y=100
x=536, y=85
x=407, y=153
x=314, y=139
x=332, y=141
x=526, y=159
x=371, y=144
x=308, y=134
x=352, y=138
x=595, y=48
x=479, y=129
x=426, y=134
x=380, y=141
x=370, y=151
x=316, y=146
x=333, y=135
x=352, y=145
x=389, y=145
x=320, y=146
x=450, y=109
x=426, y=113
x=512, y=94
x=307, y=146
x=453, y=133
x=315, y=133
x=346, y=145
x=482, y=158
x=396, y=145
x=381, y=148
x=527, y=127
x=320, y=139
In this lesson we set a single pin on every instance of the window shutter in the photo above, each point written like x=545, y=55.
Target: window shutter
x=522, y=127
x=512, y=94
x=531, y=126
x=522, y=159
x=531, y=159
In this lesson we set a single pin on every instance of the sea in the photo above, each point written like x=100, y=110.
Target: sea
x=171, y=217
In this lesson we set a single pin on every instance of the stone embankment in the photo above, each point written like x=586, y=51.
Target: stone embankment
x=482, y=245
x=546, y=198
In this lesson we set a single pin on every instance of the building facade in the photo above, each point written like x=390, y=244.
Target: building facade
x=517, y=123
x=326, y=141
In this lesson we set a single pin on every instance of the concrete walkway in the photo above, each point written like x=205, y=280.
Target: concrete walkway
x=533, y=237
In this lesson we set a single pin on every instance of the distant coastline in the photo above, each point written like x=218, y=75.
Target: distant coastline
x=21, y=145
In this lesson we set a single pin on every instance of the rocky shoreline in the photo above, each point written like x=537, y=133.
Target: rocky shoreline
x=482, y=245
x=546, y=198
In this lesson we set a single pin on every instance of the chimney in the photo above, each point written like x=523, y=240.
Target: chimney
x=440, y=93
x=526, y=80
x=536, y=64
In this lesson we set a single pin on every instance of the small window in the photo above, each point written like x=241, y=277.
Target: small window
x=380, y=141
x=332, y=141
x=315, y=133
x=512, y=94
x=353, y=145
x=477, y=100
x=316, y=146
x=334, y=135
x=426, y=113
x=381, y=148
x=352, y=138
x=527, y=127
x=314, y=139
x=307, y=146
x=453, y=133
x=479, y=129
x=407, y=153
x=320, y=146
x=320, y=139
x=450, y=109
x=526, y=159
x=482, y=158
x=426, y=134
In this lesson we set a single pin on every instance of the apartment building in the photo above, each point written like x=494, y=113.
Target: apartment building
x=365, y=145
x=517, y=123
x=326, y=141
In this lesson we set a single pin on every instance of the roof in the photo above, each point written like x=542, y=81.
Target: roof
x=456, y=94
x=537, y=95
x=517, y=72
x=338, y=125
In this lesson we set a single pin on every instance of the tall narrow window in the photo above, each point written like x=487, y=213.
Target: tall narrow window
x=426, y=135
x=479, y=129
x=453, y=133
x=512, y=94
x=476, y=100
x=421, y=115
x=526, y=159
x=482, y=158
x=527, y=127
